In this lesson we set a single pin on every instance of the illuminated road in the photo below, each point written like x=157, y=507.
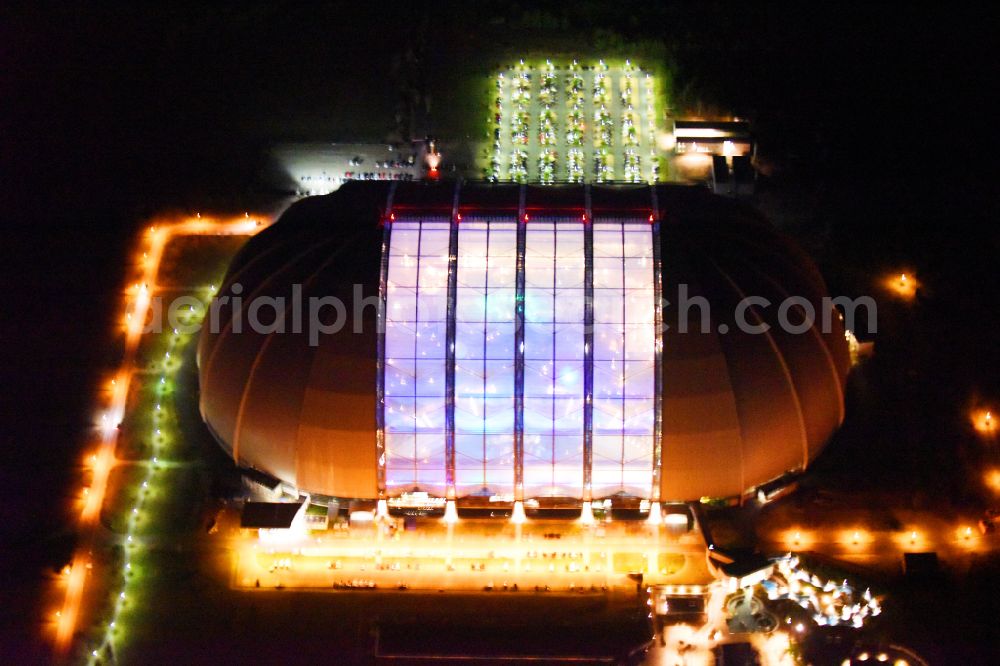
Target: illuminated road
x=103, y=460
x=853, y=535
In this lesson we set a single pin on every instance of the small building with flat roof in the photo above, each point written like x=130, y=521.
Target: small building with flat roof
x=275, y=521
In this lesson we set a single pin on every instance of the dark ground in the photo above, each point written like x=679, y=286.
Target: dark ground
x=872, y=119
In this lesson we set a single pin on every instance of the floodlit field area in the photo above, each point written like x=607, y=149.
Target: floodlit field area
x=574, y=122
x=474, y=554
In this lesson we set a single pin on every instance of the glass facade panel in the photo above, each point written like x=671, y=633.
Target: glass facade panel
x=484, y=353
x=416, y=319
x=553, y=373
x=623, y=358
x=415, y=364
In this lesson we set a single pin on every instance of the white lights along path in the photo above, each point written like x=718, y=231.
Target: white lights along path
x=139, y=298
x=133, y=548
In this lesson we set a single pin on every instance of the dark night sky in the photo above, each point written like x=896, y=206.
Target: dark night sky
x=108, y=116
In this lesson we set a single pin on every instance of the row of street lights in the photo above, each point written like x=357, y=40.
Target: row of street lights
x=101, y=462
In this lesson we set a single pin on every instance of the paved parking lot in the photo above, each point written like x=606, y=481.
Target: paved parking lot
x=320, y=168
x=575, y=122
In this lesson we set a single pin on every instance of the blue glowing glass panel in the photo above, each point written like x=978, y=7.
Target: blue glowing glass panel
x=554, y=339
x=415, y=338
x=623, y=358
x=484, y=356
x=553, y=352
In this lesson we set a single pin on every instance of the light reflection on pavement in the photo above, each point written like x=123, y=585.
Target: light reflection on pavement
x=475, y=554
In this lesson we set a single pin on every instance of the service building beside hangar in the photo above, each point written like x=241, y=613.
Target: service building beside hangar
x=523, y=345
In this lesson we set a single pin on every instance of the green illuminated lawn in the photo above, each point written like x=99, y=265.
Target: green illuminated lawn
x=194, y=261
x=157, y=492
x=167, y=506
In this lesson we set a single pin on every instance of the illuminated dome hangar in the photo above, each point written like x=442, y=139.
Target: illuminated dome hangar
x=521, y=356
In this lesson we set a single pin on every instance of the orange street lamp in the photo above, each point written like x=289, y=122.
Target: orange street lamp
x=984, y=422
x=903, y=285
x=992, y=479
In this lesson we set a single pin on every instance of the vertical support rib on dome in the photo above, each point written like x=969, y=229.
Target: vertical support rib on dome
x=657, y=350
x=588, y=349
x=519, y=350
x=449, y=395
x=383, y=280
x=782, y=364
